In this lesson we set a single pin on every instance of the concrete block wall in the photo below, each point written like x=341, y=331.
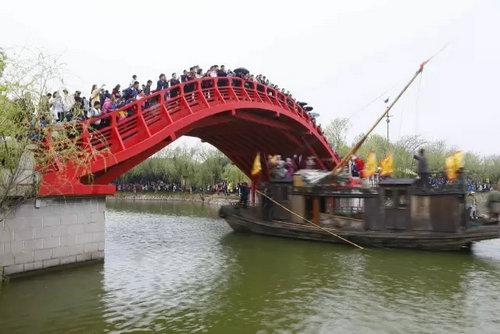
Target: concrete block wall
x=49, y=232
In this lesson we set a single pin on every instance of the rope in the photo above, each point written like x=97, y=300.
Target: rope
x=357, y=111
x=307, y=220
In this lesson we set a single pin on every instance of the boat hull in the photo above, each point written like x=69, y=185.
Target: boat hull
x=248, y=220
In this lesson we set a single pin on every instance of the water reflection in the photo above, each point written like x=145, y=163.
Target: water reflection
x=179, y=269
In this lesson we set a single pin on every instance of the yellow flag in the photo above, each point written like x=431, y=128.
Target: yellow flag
x=452, y=164
x=256, y=167
x=386, y=166
x=458, y=156
x=371, y=165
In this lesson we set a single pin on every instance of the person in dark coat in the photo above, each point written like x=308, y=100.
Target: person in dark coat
x=221, y=72
x=244, y=191
x=174, y=81
x=131, y=92
x=147, y=88
x=184, y=76
x=422, y=168
x=162, y=83
x=267, y=204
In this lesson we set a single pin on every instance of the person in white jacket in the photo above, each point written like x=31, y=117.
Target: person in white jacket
x=95, y=111
x=56, y=107
x=68, y=102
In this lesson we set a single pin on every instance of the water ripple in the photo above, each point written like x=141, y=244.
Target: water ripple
x=182, y=270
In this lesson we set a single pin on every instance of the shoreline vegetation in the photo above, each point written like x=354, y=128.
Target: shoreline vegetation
x=204, y=168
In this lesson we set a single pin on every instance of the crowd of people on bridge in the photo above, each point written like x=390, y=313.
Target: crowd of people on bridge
x=61, y=106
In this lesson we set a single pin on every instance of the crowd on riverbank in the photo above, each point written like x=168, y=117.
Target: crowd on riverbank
x=61, y=106
x=220, y=188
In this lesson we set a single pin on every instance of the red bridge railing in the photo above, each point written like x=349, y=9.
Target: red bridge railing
x=174, y=103
x=141, y=119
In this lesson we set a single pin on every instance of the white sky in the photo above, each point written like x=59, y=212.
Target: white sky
x=336, y=55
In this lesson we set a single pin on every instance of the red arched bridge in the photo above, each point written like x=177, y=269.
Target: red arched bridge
x=238, y=117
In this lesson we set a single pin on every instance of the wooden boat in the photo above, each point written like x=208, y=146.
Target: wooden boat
x=395, y=214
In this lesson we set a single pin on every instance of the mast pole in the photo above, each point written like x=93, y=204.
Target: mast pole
x=356, y=147
x=387, y=119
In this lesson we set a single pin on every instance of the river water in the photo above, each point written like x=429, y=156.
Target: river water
x=179, y=269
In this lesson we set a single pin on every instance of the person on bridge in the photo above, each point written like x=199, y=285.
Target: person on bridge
x=134, y=79
x=422, y=168
x=95, y=111
x=174, y=81
x=68, y=102
x=212, y=72
x=116, y=92
x=184, y=76
x=147, y=88
x=109, y=104
x=57, y=108
x=221, y=72
x=131, y=92
x=94, y=94
x=162, y=83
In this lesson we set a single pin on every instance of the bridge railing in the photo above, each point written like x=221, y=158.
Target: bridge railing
x=123, y=127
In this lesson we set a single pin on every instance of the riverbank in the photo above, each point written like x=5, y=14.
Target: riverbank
x=208, y=199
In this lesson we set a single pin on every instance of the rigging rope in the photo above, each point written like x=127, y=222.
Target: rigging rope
x=357, y=111
x=307, y=220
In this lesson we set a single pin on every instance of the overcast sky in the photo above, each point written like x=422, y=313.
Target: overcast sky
x=336, y=55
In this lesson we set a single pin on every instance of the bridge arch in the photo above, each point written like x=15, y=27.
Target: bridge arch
x=237, y=116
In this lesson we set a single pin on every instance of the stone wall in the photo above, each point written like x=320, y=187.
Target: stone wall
x=49, y=232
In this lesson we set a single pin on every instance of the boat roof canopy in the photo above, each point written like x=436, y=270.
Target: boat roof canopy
x=396, y=182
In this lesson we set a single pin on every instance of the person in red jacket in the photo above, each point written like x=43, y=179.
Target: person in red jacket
x=357, y=166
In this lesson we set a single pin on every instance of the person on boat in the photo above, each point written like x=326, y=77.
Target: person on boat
x=244, y=191
x=422, y=168
x=267, y=204
x=493, y=203
x=472, y=206
x=357, y=166
x=310, y=162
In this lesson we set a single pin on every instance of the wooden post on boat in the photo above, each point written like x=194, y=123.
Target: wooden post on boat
x=315, y=210
x=252, y=195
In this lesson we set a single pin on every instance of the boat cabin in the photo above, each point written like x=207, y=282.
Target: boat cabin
x=394, y=205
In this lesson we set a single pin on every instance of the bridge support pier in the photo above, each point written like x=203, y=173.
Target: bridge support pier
x=49, y=232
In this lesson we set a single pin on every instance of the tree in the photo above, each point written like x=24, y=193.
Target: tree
x=25, y=126
x=336, y=132
x=233, y=175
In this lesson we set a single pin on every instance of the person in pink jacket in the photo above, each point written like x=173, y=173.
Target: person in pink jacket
x=109, y=104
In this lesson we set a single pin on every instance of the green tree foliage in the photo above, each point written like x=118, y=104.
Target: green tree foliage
x=480, y=167
x=200, y=167
x=196, y=166
x=336, y=132
x=24, y=83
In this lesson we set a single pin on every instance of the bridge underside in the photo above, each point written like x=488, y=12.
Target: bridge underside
x=240, y=135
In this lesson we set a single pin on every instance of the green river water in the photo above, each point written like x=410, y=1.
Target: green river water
x=178, y=268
